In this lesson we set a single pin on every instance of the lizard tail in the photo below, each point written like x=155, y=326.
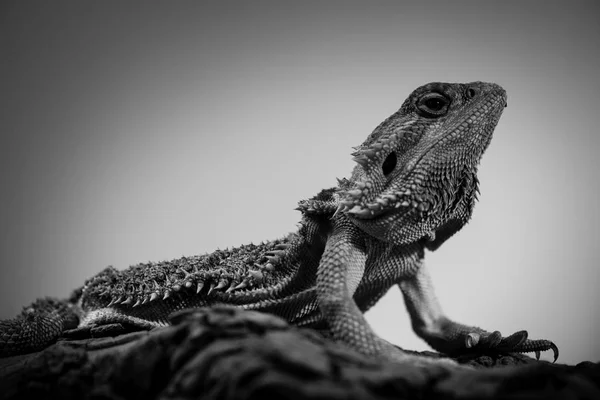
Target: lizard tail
x=38, y=326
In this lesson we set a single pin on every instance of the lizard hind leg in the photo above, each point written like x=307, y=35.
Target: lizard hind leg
x=38, y=326
x=111, y=321
x=101, y=330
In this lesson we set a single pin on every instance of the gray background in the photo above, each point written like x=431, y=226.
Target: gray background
x=145, y=131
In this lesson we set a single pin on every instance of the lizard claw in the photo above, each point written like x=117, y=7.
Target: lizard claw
x=541, y=345
x=554, y=349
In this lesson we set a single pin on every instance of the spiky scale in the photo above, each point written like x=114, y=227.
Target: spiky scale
x=356, y=193
x=369, y=153
x=273, y=260
x=277, y=253
x=221, y=285
x=241, y=285
x=346, y=203
x=231, y=287
x=361, y=160
x=269, y=267
x=256, y=275
x=211, y=288
x=185, y=273
x=361, y=212
x=355, y=209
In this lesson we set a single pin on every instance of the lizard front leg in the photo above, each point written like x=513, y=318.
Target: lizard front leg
x=452, y=338
x=340, y=270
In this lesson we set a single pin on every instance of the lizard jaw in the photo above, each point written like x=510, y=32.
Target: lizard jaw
x=420, y=213
x=416, y=197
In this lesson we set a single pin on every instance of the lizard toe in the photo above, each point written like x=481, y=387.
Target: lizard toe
x=537, y=346
x=513, y=341
x=489, y=340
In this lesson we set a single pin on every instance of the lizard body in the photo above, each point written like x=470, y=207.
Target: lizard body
x=413, y=187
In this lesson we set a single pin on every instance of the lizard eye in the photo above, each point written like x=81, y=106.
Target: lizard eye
x=389, y=163
x=433, y=105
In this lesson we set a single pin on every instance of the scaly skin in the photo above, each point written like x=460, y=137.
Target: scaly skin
x=414, y=186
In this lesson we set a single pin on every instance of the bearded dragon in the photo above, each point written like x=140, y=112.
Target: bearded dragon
x=413, y=187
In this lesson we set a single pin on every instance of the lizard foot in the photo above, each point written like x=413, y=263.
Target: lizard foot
x=515, y=343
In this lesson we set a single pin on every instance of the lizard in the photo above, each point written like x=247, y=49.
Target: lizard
x=414, y=186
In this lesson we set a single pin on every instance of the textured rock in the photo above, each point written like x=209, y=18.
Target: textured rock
x=223, y=353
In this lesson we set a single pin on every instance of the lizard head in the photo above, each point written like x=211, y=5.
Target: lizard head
x=416, y=173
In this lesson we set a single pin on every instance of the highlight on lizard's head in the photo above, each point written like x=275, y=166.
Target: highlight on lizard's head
x=416, y=173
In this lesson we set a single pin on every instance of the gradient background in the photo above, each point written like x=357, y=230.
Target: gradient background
x=147, y=131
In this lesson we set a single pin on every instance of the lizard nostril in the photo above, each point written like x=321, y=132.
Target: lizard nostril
x=471, y=92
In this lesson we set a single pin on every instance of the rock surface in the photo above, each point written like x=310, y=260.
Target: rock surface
x=227, y=353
